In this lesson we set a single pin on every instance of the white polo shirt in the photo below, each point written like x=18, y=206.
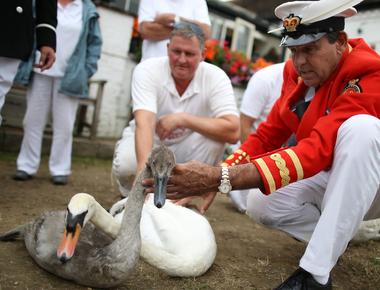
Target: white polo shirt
x=209, y=94
x=263, y=89
x=149, y=9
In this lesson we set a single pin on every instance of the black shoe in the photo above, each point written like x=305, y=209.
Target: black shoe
x=303, y=280
x=22, y=176
x=59, y=179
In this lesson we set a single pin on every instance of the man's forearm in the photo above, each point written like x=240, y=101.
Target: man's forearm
x=239, y=180
x=143, y=146
x=223, y=129
x=197, y=178
x=154, y=31
x=245, y=127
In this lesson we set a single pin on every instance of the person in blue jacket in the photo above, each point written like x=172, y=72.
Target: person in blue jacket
x=58, y=89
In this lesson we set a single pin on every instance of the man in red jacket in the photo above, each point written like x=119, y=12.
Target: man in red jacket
x=321, y=187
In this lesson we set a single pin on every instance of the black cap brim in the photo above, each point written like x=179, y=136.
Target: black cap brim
x=303, y=39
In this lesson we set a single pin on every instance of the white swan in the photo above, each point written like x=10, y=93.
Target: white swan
x=99, y=261
x=175, y=239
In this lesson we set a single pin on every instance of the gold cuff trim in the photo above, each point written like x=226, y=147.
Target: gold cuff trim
x=281, y=165
x=268, y=175
x=296, y=162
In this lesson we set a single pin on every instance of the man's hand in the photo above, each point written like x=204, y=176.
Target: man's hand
x=47, y=58
x=187, y=179
x=168, y=123
x=166, y=19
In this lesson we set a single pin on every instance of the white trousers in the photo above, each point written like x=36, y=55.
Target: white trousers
x=8, y=70
x=43, y=97
x=239, y=198
x=326, y=210
x=193, y=147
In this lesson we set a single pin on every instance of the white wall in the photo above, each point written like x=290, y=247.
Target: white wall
x=115, y=67
x=365, y=24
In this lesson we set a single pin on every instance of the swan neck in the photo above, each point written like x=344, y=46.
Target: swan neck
x=104, y=220
x=132, y=213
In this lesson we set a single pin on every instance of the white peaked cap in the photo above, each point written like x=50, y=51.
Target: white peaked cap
x=310, y=12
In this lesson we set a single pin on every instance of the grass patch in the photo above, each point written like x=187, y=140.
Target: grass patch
x=376, y=261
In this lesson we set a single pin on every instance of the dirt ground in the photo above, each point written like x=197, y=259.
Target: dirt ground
x=249, y=255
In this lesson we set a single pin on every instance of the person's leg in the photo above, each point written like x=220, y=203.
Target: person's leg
x=239, y=199
x=8, y=70
x=198, y=147
x=124, y=163
x=352, y=187
x=38, y=105
x=64, y=110
x=294, y=209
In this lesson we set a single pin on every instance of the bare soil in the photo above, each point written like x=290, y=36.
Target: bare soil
x=249, y=255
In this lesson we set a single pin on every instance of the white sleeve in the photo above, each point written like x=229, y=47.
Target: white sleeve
x=255, y=96
x=144, y=89
x=222, y=99
x=201, y=12
x=146, y=11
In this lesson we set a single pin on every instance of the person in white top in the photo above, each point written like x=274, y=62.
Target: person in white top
x=262, y=91
x=157, y=17
x=58, y=90
x=181, y=101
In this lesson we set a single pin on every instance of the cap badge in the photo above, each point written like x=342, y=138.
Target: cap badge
x=352, y=87
x=291, y=22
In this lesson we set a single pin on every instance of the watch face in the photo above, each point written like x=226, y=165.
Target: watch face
x=225, y=187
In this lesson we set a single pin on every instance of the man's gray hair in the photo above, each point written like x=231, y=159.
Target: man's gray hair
x=188, y=30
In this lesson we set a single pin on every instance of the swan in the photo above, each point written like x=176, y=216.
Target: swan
x=175, y=239
x=99, y=260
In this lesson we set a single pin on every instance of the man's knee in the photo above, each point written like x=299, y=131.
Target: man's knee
x=365, y=128
x=124, y=161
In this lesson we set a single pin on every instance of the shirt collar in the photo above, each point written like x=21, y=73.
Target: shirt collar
x=191, y=90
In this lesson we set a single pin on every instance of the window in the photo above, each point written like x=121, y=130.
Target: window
x=243, y=37
x=237, y=34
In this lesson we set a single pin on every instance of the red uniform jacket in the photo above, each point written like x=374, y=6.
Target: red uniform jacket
x=354, y=88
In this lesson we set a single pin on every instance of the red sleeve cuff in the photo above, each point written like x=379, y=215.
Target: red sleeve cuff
x=279, y=169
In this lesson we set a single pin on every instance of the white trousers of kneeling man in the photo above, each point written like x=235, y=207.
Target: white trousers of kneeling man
x=327, y=209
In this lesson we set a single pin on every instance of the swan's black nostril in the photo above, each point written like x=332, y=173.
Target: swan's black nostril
x=63, y=259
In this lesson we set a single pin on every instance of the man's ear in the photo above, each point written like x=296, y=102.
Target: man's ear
x=204, y=53
x=342, y=41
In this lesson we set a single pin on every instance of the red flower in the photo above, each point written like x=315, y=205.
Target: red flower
x=237, y=66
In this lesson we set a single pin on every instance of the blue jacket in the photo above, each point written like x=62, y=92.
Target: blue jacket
x=82, y=63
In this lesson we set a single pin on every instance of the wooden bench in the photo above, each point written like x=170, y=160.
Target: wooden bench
x=15, y=105
x=96, y=86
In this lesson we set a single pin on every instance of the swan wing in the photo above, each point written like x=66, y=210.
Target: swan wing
x=177, y=240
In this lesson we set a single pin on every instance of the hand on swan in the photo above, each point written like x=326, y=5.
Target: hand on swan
x=193, y=178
